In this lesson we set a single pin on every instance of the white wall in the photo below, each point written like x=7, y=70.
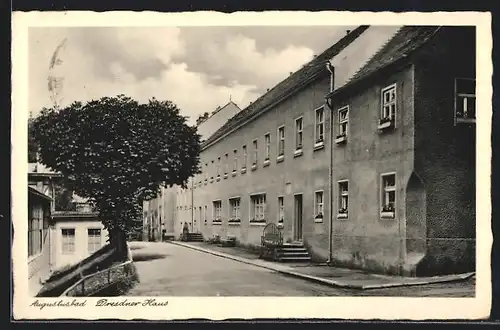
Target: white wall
x=81, y=241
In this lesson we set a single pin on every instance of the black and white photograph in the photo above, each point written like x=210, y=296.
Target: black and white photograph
x=246, y=158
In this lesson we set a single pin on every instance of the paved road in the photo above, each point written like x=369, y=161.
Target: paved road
x=186, y=272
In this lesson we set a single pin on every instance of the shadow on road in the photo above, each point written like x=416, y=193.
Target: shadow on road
x=140, y=257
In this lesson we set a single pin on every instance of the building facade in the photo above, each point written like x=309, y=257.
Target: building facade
x=368, y=161
x=166, y=214
x=57, y=238
x=39, y=258
x=75, y=236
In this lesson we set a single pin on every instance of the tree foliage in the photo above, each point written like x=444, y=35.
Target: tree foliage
x=117, y=152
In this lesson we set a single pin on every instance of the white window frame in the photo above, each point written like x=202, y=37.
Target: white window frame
x=281, y=142
x=218, y=168
x=267, y=142
x=319, y=207
x=235, y=161
x=386, y=105
x=384, y=193
x=217, y=211
x=281, y=210
x=258, y=206
x=68, y=247
x=343, y=195
x=94, y=242
x=226, y=165
x=235, y=209
x=467, y=97
x=245, y=158
x=255, y=153
x=343, y=121
x=319, y=139
x=299, y=133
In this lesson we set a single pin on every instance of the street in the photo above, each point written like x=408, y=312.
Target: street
x=181, y=271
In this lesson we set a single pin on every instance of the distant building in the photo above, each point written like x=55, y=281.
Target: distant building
x=57, y=238
x=167, y=213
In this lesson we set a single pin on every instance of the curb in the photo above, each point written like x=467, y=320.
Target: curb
x=285, y=270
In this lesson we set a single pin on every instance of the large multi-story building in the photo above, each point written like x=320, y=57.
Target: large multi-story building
x=366, y=155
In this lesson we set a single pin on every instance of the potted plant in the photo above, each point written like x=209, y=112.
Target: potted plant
x=388, y=211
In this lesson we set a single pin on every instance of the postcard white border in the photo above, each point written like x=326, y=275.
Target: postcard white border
x=219, y=308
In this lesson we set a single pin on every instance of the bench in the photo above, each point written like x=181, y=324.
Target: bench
x=271, y=240
x=229, y=241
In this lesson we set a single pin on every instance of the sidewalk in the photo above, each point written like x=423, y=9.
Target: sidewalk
x=320, y=273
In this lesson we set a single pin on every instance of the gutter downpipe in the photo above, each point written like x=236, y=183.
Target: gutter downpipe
x=331, y=69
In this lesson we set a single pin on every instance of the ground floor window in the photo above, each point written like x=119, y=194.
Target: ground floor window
x=343, y=198
x=281, y=209
x=217, y=211
x=35, y=231
x=235, y=207
x=94, y=239
x=258, y=209
x=388, y=195
x=318, y=205
x=68, y=240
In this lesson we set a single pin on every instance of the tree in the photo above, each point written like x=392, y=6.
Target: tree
x=117, y=153
x=32, y=146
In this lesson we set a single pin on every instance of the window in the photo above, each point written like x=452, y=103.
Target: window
x=212, y=171
x=388, y=195
x=465, y=100
x=255, y=153
x=388, y=104
x=298, y=133
x=218, y=168
x=343, y=121
x=267, y=139
x=217, y=211
x=35, y=230
x=245, y=160
x=68, y=240
x=318, y=205
x=206, y=173
x=234, y=205
x=226, y=165
x=258, y=209
x=281, y=141
x=94, y=240
x=343, y=199
x=205, y=214
x=281, y=209
x=319, y=127
x=235, y=161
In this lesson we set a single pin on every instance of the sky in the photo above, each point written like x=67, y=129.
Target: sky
x=197, y=68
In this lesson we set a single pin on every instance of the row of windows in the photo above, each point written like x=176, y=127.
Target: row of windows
x=465, y=111
x=258, y=204
x=94, y=240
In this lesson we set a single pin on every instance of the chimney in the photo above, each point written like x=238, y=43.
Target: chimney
x=314, y=56
x=347, y=31
x=267, y=89
x=291, y=73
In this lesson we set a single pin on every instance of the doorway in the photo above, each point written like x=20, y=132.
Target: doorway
x=297, y=225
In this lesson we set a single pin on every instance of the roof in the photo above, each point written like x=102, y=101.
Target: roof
x=74, y=214
x=407, y=40
x=295, y=81
x=37, y=193
x=41, y=170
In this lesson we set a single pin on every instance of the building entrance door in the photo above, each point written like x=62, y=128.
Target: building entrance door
x=297, y=225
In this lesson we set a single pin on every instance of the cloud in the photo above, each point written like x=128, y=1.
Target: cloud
x=196, y=68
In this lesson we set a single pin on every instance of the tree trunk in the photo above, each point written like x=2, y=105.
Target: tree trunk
x=118, y=239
